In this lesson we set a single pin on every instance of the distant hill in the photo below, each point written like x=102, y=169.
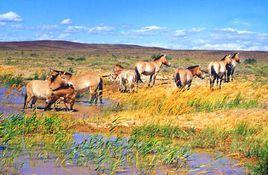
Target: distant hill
x=121, y=49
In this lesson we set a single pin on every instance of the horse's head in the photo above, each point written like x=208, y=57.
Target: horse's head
x=164, y=60
x=236, y=57
x=57, y=81
x=117, y=70
x=196, y=71
x=227, y=59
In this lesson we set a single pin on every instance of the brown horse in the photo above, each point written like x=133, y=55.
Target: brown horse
x=150, y=68
x=127, y=78
x=184, y=77
x=86, y=82
x=66, y=94
x=217, y=70
x=231, y=67
x=42, y=89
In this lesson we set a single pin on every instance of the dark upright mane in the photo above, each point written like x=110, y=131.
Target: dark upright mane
x=118, y=65
x=192, y=67
x=224, y=57
x=157, y=58
x=235, y=54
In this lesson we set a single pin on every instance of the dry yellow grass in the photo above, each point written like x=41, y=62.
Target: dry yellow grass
x=198, y=108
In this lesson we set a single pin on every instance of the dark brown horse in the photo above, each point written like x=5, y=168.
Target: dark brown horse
x=150, y=68
x=184, y=77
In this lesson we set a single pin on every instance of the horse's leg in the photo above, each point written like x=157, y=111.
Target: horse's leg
x=212, y=80
x=151, y=77
x=33, y=102
x=189, y=85
x=27, y=101
x=154, y=77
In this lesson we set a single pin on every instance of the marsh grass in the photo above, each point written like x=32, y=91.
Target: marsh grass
x=11, y=80
x=43, y=136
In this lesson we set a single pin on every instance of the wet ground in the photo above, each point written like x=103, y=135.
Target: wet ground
x=198, y=163
x=11, y=102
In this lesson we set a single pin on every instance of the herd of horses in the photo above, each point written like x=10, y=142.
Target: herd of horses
x=61, y=86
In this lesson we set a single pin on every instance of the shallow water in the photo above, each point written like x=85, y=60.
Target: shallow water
x=198, y=163
x=12, y=100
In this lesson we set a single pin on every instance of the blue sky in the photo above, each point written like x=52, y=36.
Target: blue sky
x=175, y=24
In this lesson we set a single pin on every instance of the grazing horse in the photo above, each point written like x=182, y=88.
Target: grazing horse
x=127, y=78
x=85, y=82
x=217, y=70
x=184, y=77
x=150, y=68
x=42, y=89
x=231, y=67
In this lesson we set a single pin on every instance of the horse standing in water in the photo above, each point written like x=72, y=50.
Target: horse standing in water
x=127, y=78
x=231, y=67
x=184, y=77
x=42, y=89
x=85, y=82
x=151, y=68
x=217, y=70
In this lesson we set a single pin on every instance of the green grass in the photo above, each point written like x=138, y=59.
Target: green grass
x=11, y=80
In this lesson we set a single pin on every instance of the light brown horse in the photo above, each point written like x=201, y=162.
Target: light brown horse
x=231, y=67
x=127, y=78
x=150, y=68
x=86, y=82
x=217, y=70
x=42, y=89
x=184, y=77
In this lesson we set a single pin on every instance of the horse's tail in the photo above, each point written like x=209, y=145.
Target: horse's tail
x=177, y=80
x=25, y=99
x=213, y=72
x=100, y=89
x=138, y=75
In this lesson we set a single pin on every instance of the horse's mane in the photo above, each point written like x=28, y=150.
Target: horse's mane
x=224, y=57
x=235, y=54
x=192, y=67
x=157, y=58
x=118, y=65
x=68, y=73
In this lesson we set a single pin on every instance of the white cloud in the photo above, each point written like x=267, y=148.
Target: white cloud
x=10, y=17
x=185, y=32
x=149, y=29
x=71, y=29
x=99, y=29
x=45, y=36
x=63, y=35
x=180, y=33
x=66, y=21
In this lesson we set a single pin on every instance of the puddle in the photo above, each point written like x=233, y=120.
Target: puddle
x=11, y=102
x=197, y=163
